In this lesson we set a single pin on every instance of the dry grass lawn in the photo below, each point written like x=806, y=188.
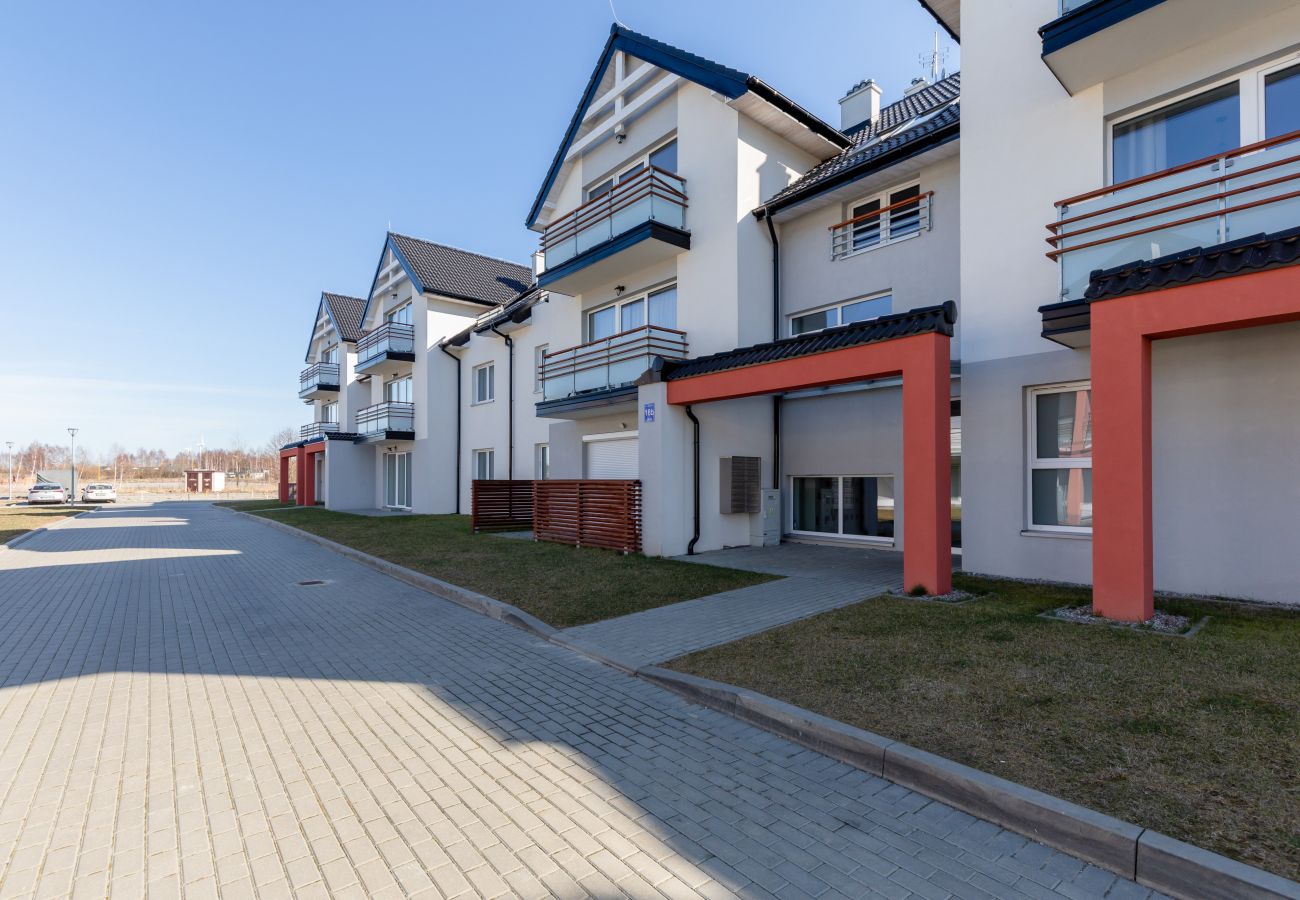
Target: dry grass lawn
x=16, y=520
x=1196, y=737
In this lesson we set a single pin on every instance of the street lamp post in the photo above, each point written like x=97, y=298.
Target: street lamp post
x=10, y=445
x=73, y=433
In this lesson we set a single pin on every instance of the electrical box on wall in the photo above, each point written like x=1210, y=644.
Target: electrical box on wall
x=739, y=480
x=765, y=525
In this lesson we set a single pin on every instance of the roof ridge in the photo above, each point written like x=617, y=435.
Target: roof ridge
x=509, y=262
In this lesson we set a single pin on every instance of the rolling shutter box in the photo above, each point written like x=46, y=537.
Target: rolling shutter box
x=740, y=484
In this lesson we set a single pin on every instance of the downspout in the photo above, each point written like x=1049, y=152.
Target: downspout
x=510, y=403
x=776, y=336
x=456, y=360
x=695, y=538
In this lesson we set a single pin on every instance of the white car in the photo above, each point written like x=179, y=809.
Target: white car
x=99, y=493
x=46, y=492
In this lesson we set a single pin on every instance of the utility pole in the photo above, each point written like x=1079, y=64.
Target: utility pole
x=10, y=445
x=73, y=432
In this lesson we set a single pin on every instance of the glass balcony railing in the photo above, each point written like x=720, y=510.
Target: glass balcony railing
x=320, y=375
x=317, y=429
x=390, y=337
x=391, y=415
x=650, y=195
x=1199, y=204
x=611, y=362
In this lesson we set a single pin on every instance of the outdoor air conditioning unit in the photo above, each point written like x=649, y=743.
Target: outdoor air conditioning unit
x=740, y=483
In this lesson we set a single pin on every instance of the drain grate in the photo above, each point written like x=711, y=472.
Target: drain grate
x=310, y=581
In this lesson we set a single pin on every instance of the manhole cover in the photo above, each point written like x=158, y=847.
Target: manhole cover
x=310, y=581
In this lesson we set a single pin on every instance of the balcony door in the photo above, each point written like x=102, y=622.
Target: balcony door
x=660, y=306
x=397, y=480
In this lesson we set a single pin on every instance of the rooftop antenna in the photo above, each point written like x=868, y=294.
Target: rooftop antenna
x=935, y=59
x=613, y=12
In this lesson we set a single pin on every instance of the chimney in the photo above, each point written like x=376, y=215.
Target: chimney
x=918, y=84
x=861, y=104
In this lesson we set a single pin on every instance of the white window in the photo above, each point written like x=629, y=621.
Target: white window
x=329, y=412
x=1254, y=105
x=859, y=310
x=662, y=157
x=880, y=219
x=542, y=464
x=539, y=359
x=397, y=480
x=484, y=464
x=657, y=307
x=843, y=505
x=398, y=390
x=400, y=316
x=485, y=383
x=1059, y=491
x=330, y=354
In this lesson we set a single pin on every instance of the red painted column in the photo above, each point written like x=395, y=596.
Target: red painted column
x=927, y=473
x=1123, y=571
x=308, y=478
x=302, y=477
x=284, y=478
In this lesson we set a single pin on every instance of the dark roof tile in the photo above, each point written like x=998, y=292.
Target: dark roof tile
x=345, y=313
x=459, y=273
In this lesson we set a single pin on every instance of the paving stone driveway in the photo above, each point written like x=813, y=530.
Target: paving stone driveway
x=179, y=715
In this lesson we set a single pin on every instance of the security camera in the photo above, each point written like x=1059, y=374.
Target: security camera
x=620, y=132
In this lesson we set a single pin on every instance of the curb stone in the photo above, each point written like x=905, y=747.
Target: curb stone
x=1148, y=857
x=26, y=536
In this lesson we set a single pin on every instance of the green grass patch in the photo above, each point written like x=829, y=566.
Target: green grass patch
x=251, y=505
x=1196, y=737
x=563, y=586
x=16, y=520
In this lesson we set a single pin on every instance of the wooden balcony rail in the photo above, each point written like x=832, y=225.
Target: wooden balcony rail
x=501, y=504
x=394, y=337
x=589, y=513
x=317, y=429
x=391, y=415
x=318, y=374
x=651, y=194
x=1201, y=203
x=881, y=226
x=608, y=362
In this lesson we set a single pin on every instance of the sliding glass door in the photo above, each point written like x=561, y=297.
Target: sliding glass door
x=397, y=480
x=843, y=506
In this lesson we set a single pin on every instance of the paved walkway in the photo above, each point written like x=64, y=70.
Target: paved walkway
x=817, y=579
x=179, y=713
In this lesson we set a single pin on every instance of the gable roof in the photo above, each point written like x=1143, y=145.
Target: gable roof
x=731, y=83
x=879, y=144
x=344, y=314
x=452, y=272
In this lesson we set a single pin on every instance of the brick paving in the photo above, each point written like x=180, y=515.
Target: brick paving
x=817, y=580
x=178, y=716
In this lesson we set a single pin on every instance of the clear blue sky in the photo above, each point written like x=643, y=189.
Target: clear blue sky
x=179, y=181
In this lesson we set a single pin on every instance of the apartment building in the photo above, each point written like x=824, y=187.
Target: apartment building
x=1131, y=313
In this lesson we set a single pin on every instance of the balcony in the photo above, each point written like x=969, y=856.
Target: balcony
x=1199, y=204
x=390, y=342
x=882, y=227
x=317, y=431
x=388, y=421
x=1096, y=40
x=603, y=373
x=318, y=380
x=640, y=222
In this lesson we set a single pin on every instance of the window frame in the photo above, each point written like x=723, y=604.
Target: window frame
x=390, y=317
x=329, y=412
x=1034, y=463
x=839, y=535
x=542, y=461
x=488, y=453
x=475, y=399
x=630, y=165
x=627, y=299
x=882, y=197
x=400, y=379
x=1250, y=100
x=539, y=359
x=838, y=306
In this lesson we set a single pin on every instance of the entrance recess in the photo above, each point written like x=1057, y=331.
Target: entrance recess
x=914, y=345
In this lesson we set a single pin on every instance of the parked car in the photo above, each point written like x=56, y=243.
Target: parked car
x=99, y=493
x=46, y=492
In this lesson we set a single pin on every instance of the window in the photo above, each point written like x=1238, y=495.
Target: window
x=485, y=383
x=1060, y=458
x=842, y=314
x=659, y=305
x=399, y=316
x=397, y=480
x=877, y=220
x=330, y=354
x=398, y=390
x=539, y=359
x=662, y=157
x=1282, y=102
x=1199, y=126
x=542, y=462
x=844, y=505
x=329, y=412
x=483, y=464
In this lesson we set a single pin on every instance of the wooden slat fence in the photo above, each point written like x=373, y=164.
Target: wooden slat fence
x=501, y=505
x=589, y=513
